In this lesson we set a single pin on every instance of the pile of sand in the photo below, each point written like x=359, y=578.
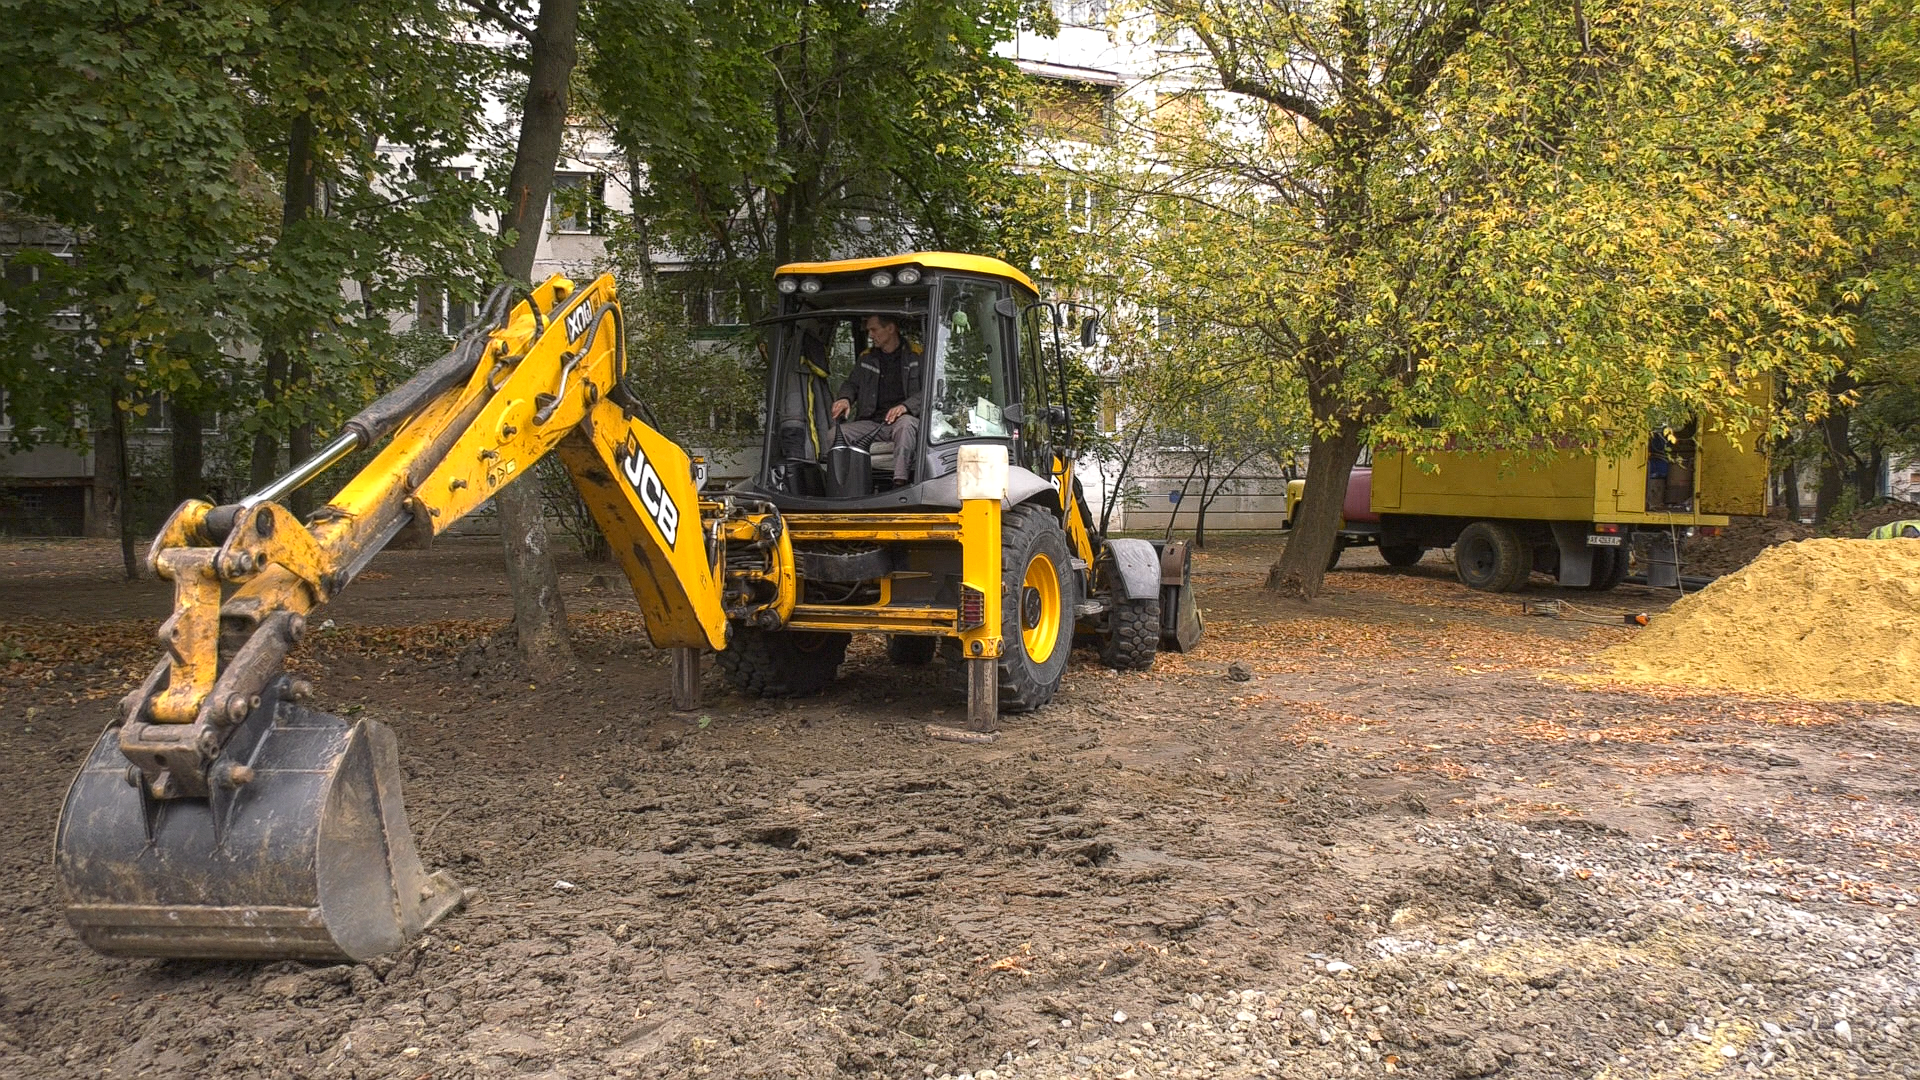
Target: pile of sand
x=1831, y=620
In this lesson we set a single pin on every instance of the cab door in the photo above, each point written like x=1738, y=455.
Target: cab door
x=1035, y=450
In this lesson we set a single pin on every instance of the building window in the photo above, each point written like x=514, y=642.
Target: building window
x=579, y=203
x=1080, y=203
x=1080, y=111
x=27, y=269
x=443, y=311
x=706, y=305
x=1081, y=12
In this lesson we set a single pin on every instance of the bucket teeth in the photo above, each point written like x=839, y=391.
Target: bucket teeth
x=302, y=850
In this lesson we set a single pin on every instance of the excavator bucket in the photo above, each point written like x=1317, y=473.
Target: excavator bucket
x=309, y=859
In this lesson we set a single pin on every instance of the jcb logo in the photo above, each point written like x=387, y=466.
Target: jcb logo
x=652, y=493
x=578, y=318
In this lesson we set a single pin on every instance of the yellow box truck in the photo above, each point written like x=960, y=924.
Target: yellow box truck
x=1572, y=514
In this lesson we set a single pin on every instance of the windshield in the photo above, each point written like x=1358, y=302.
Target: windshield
x=973, y=380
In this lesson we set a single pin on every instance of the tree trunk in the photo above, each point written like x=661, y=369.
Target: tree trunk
x=1173, y=515
x=124, y=493
x=104, y=509
x=1836, y=462
x=1302, y=566
x=282, y=370
x=1117, y=490
x=543, y=123
x=300, y=448
x=1866, y=478
x=266, y=442
x=1206, y=500
x=1790, y=491
x=539, y=617
x=189, y=455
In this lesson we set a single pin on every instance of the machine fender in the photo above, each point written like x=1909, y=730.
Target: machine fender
x=1136, y=568
x=1023, y=486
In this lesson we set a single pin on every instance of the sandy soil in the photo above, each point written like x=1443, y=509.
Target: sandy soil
x=1403, y=845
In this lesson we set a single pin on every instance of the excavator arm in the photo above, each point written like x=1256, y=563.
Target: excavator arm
x=218, y=816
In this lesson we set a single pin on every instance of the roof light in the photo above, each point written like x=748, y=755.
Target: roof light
x=810, y=286
x=787, y=284
x=880, y=279
x=909, y=275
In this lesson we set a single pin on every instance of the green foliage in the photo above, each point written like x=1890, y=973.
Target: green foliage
x=699, y=391
x=154, y=139
x=805, y=129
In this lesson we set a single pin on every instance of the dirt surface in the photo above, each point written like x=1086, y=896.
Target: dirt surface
x=1398, y=843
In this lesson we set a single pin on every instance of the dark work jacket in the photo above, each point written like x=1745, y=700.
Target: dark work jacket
x=862, y=388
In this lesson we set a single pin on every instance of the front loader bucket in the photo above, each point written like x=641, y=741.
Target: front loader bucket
x=310, y=860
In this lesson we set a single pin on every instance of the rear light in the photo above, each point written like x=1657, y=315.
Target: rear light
x=1606, y=527
x=1709, y=530
x=973, y=607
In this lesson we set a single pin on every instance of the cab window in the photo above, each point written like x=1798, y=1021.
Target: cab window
x=973, y=378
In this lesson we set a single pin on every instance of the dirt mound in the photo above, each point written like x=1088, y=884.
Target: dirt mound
x=1738, y=544
x=1873, y=517
x=1822, y=619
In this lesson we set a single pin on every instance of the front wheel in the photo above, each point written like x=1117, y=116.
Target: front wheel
x=1038, y=597
x=1333, y=558
x=782, y=663
x=1402, y=555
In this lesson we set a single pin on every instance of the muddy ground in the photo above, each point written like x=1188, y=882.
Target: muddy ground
x=1406, y=844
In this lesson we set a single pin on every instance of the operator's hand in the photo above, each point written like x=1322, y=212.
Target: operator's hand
x=841, y=407
x=896, y=413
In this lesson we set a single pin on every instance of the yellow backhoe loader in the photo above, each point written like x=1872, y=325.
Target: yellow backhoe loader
x=221, y=816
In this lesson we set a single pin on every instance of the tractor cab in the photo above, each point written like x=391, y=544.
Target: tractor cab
x=970, y=347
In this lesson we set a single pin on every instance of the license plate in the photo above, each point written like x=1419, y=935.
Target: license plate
x=1603, y=540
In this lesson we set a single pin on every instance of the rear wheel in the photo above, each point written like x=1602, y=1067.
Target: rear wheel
x=909, y=650
x=1609, y=568
x=1490, y=557
x=1133, y=634
x=782, y=663
x=1401, y=554
x=1333, y=557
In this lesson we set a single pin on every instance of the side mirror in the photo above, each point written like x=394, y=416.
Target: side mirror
x=1089, y=330
x=1005, y=306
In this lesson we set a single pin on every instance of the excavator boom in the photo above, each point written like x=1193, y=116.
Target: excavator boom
x=221, y=817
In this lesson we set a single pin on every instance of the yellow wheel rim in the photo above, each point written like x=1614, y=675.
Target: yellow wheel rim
x=1040, y=609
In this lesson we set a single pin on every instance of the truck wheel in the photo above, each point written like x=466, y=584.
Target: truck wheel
x=782, y=663
x=1609, y=568
x=1490, y=557
x=911, y=650
x=1401, y=554
x=1133, y=634
x=1339, y=549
